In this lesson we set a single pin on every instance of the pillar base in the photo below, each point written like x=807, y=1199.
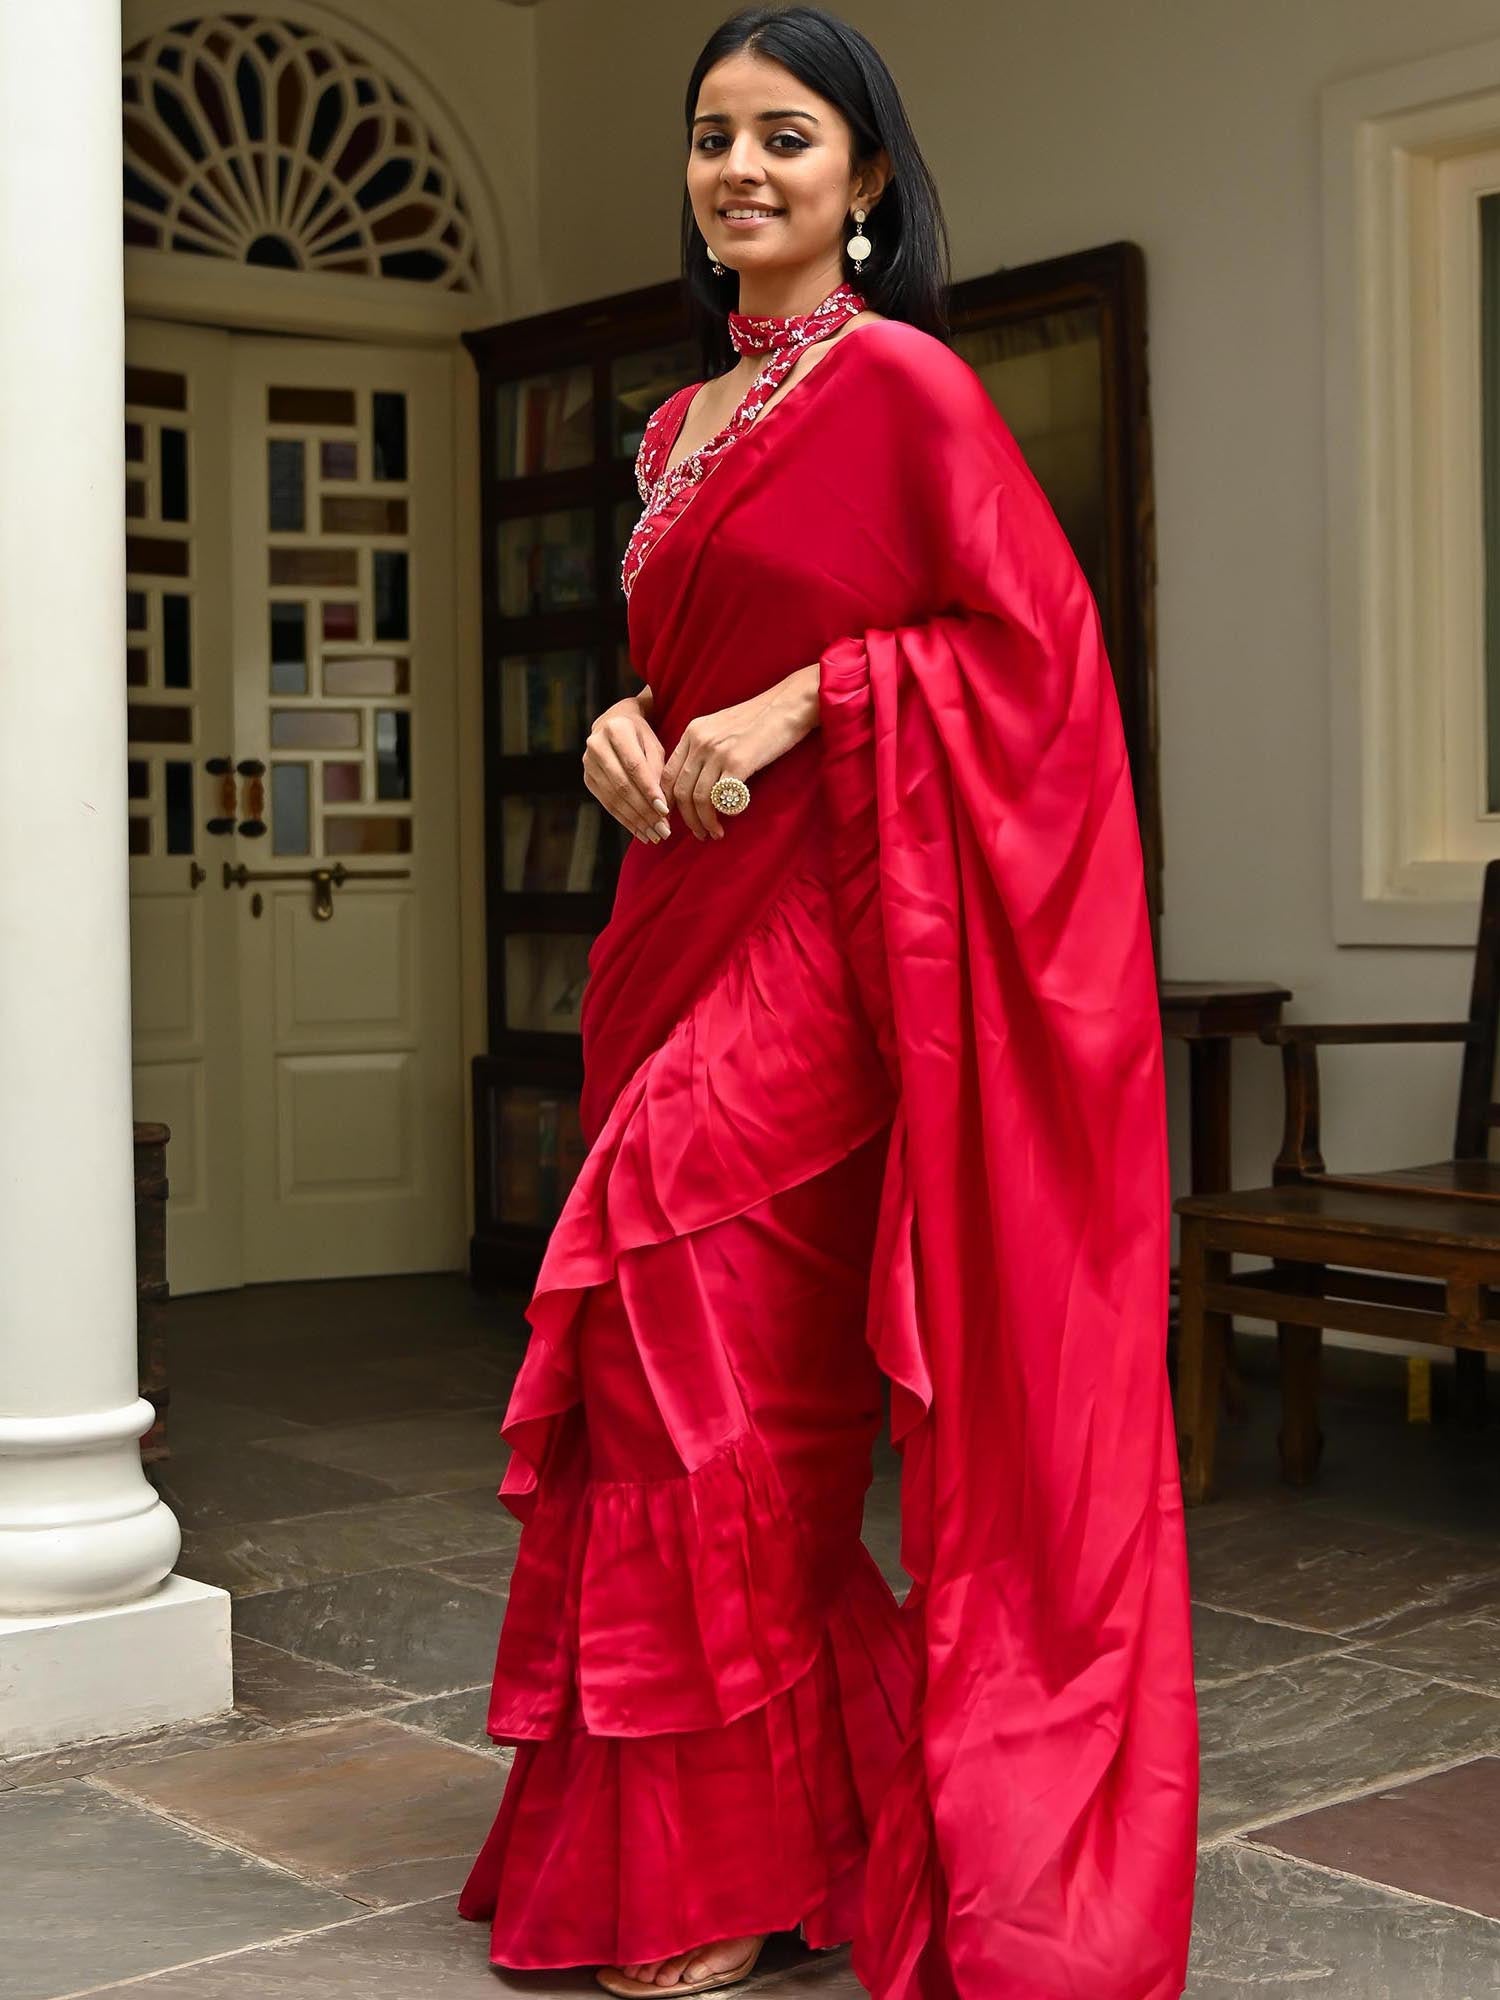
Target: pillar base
x=70, y=1677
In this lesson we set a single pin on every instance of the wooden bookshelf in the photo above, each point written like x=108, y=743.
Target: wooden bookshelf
x=564, y=398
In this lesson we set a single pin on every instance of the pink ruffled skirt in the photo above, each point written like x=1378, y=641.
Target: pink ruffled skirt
x=705, y=1676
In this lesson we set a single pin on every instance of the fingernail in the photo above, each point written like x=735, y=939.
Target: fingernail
x=660, y=804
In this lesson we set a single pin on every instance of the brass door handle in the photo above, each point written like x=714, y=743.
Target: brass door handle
x=324, y=880
x=224, y=819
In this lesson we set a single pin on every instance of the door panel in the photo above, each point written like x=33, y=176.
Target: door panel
x=184, y=999
x=347, y=982
x=295, y=912
x=344, y=623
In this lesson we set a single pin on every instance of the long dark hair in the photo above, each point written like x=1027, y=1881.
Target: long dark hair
x=909, y=274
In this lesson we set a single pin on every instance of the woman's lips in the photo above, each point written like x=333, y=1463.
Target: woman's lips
x=749, y=222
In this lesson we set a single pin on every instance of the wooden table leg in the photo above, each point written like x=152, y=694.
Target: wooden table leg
x=1202, y=1343
x=1469, y=1402
x=1210, y=1165
x=1210, y=1159
x=1299, y=1442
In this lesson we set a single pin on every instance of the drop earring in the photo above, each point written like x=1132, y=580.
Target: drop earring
x=859, y=245
x=715, y=266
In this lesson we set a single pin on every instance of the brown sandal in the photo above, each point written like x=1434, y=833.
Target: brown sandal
x=613, y=1980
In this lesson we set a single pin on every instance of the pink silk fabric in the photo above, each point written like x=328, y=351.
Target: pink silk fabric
x=873, y=1089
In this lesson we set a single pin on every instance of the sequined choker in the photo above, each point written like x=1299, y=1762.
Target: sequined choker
x=771, y=333
x=781, y=340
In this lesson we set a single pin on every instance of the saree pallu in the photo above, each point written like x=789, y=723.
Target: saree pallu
x=873, y=1097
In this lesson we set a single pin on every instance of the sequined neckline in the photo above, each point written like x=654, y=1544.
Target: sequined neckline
x=771, y=333
x=658, y=491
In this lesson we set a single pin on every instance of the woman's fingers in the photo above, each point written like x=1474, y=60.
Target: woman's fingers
x=642, y=770
x=606, y=776
x=702, y=756
x=684, y=790
x=691, y=772
x=708, y=777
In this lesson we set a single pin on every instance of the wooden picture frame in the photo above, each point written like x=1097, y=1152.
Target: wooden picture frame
x=1061, y=347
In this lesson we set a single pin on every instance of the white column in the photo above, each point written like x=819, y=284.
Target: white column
x=96, y=1636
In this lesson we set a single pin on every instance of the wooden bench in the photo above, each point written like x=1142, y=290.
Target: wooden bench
x=1404, y=1253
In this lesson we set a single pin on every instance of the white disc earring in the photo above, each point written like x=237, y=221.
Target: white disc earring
x=859, y=245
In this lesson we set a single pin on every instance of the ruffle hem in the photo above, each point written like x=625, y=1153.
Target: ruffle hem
x=706, y=1677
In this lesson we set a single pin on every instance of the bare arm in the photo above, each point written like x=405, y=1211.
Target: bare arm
x=797, y=696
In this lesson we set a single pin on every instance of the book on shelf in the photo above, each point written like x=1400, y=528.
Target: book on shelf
x=556, y=970
x=562, y=707
x=542, y=1151
x=585, y=847
x=531, y=431
x=546, y=1154
x=515, y=702
x=635, y=401
x=516, y=1175
x=571, y=1151
x=565, y=575
x=517, y=822
x=545, y=974
x=553, y=409
x=552, y=844
x=547, y=702
x=562, y=992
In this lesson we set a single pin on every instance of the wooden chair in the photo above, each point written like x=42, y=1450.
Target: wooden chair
x=1420, y=1246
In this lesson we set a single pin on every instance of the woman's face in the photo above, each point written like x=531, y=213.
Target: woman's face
x=762, y=140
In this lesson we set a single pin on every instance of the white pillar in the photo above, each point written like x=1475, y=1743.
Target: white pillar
x=95, y=1635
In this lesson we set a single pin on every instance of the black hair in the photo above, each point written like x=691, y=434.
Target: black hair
x=909, y=274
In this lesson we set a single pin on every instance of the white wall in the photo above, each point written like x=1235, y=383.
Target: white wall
x=479, y=57
x=1191, y=126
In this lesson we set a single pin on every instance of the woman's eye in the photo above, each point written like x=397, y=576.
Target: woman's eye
x=799, y=144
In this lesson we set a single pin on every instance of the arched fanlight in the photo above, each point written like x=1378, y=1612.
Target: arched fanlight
x=257, y=140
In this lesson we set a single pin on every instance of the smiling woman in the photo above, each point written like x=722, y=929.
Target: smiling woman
x=874, y=1106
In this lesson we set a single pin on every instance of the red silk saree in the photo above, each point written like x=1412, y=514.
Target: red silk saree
x=873, y=1097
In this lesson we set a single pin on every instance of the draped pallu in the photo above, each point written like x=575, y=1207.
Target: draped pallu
x=873, y=1095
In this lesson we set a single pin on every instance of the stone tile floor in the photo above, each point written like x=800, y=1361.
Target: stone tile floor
x=334, y=1464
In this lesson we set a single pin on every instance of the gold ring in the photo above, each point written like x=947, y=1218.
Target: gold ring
x=729, y=795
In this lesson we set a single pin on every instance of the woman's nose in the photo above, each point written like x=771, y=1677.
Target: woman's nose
x=739, y=162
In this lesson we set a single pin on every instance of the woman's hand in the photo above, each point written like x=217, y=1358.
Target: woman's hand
x=622, y=763
x=735, y=742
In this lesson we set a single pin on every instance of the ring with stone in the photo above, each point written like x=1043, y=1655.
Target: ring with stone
x=729, y=795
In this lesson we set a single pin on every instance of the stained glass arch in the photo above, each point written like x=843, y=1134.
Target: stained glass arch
x=266, y=142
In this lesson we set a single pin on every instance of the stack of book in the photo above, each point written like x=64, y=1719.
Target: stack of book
x=541, y=1151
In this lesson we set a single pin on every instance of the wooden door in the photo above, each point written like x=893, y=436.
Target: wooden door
x=180, y=703
x=325, y=1097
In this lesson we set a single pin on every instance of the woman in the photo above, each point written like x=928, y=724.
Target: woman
x=873, y=1095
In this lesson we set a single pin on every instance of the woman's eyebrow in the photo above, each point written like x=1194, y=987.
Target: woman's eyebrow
x=722, y=117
